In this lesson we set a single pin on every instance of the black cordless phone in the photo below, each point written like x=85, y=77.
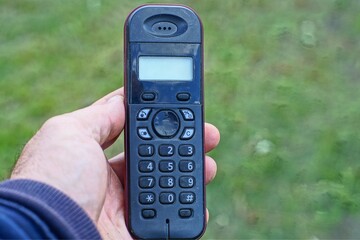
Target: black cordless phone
x=164, y=133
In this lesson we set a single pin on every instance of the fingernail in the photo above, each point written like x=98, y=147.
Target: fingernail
x=115, y=98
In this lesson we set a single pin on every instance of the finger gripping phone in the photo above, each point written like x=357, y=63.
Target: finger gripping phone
x=164, y=133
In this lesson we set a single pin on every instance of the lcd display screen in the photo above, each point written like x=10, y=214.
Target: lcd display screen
x=154, y=68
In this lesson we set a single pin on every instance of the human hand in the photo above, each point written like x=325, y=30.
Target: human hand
x=68, y=154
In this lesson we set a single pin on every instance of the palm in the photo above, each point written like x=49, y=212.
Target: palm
x=111, y=223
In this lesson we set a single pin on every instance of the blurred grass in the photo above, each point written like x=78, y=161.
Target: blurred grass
x=282, y=85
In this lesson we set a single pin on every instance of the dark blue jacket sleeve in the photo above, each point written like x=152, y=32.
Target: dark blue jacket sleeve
x=33, y=210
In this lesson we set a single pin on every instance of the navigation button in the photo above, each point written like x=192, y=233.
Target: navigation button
x=187, y=114
x=144, y=133
x=187, y=133
x=143, y=114
x=166, y=123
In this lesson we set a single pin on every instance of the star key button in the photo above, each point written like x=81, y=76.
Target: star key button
x=147, y=198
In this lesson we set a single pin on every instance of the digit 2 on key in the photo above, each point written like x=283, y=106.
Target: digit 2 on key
x=164, y=133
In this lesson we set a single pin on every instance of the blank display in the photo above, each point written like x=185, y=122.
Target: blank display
x=165, y=68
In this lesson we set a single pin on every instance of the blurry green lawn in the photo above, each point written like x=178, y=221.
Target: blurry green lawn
x=282, y=85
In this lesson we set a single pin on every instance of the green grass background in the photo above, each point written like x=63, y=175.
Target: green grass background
x=282, y=85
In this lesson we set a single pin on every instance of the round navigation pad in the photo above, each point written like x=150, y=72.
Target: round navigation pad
x=166, y=123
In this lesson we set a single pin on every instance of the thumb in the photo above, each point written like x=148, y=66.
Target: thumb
x=102, y=122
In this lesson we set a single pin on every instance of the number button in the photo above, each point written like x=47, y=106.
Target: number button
x=147, y=198
x=166, y=166
x=167, y=182
x=187, y=182
x=187, y=197
x=146, y=166
x=186, y=150
x=166, y=150
x=146, y=150
x=146, y=182
x=167, y=197
x=186, y=166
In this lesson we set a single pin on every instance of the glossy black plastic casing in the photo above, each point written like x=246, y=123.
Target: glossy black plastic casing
x=186, y=41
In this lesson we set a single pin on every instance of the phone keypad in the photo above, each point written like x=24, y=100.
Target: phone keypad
x=165, y=169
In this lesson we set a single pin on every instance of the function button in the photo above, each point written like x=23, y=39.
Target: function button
x=147, y=198
x=143, y=114
x=146, y=182
x=167, y=182
x=185, y=212
x=187, y=182
x=166, y=123
x=186, y=150
x=183, y=96
x=186, y=166
x=166, y=150
x=144, y=133
x=187, y=133
x=146, y=166
x=187, y=197
x=148, y=96
x=167, y=197
x=166, y=165
x=146, y=150
x=148, y=213
x=187, y=114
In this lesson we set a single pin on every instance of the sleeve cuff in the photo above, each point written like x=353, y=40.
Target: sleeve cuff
x=64, y=217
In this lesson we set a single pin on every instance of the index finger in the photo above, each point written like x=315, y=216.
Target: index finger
x=104, y=99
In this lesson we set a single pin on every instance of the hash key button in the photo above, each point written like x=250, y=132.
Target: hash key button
x=187, y=197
